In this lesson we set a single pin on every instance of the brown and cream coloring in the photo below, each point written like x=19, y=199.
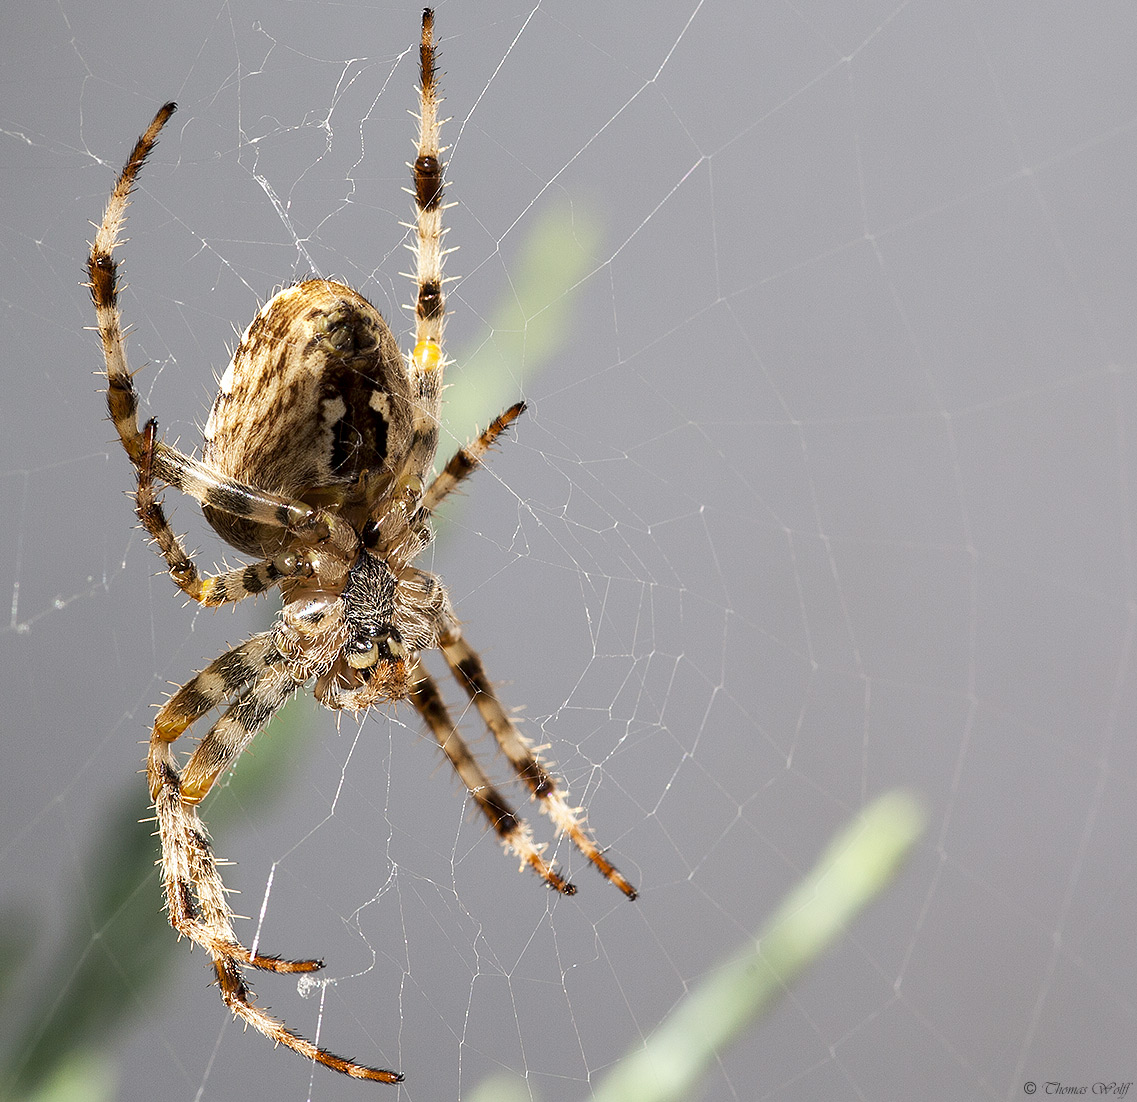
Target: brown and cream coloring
x=318, y=463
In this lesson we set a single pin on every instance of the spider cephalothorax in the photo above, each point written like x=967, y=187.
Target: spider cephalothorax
x=318, y=461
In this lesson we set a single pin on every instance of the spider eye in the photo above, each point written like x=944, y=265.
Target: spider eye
x=364, y=651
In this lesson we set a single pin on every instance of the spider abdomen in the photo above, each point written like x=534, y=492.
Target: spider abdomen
x=316, y=396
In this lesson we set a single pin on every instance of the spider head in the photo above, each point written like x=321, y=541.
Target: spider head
x=373, y=663
x=361, y=644
x=367, y=649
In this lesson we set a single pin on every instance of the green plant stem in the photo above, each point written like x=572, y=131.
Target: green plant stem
x=856, y=867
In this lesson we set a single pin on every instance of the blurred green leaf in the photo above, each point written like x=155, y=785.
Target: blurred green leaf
x=532, y=322
x=82, y=1075
x=118, y=948
x=671, y=1064
x=859, y=863
x=17, y=936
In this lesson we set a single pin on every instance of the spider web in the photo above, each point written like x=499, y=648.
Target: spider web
x=826, y=488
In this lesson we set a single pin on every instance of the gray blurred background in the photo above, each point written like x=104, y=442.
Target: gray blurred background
x=828, y=489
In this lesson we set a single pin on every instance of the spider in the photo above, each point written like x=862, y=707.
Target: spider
x=317, y=462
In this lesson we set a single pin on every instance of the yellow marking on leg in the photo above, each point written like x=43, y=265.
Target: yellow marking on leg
x=428, y=355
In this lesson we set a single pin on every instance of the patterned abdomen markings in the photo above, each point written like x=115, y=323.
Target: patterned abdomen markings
x=333, y=404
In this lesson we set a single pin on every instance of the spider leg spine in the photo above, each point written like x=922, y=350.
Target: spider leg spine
x=218, y=682
x=467, y=459
x=468, y=670
x=102, y=272
x=195, y=893
x=512, y=831
x=427, y=362
x=238, y=998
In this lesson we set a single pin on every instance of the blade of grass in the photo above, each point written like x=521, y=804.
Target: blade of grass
x=531, y=323
x=859, y=863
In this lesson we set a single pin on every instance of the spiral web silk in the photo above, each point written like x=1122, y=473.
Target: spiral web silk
x=826, y=489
